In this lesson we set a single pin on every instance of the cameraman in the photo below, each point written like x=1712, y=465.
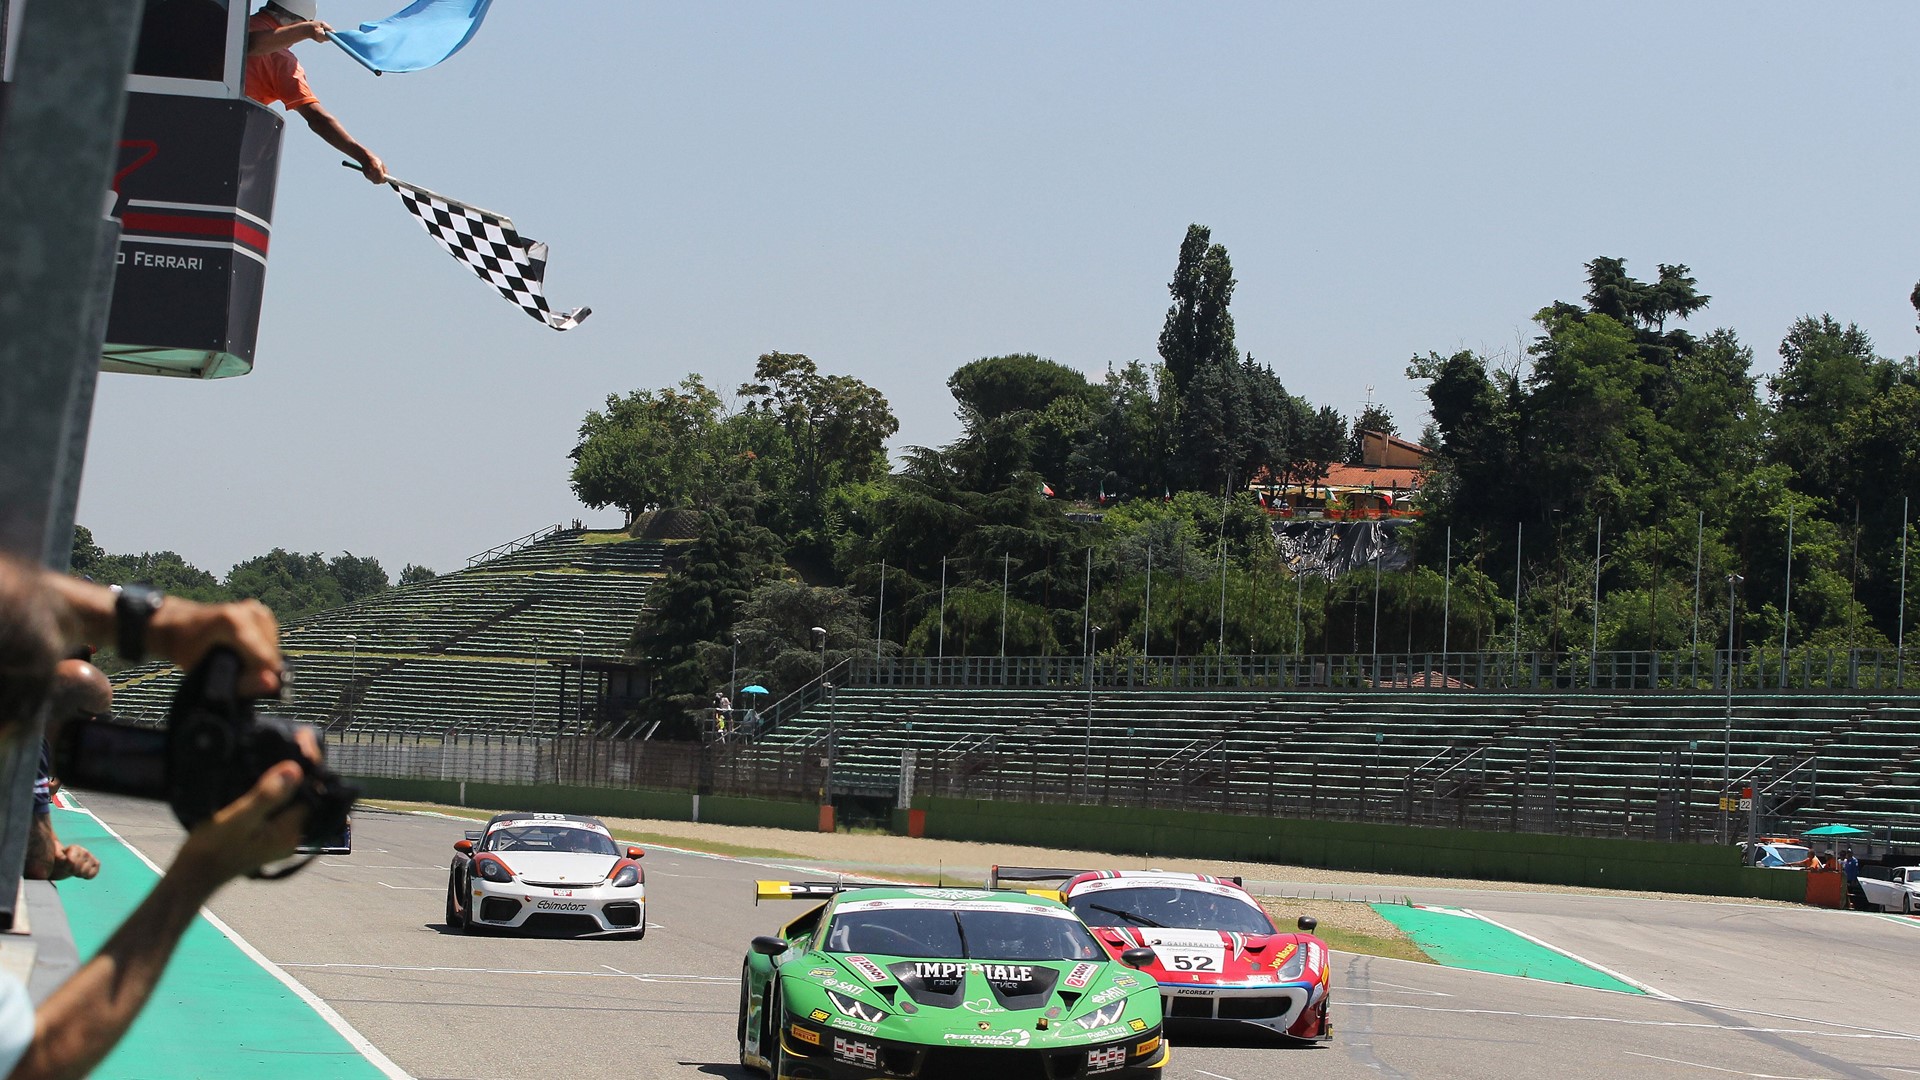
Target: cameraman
x=42, y=615
x=79, y=690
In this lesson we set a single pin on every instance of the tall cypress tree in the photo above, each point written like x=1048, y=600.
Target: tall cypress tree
x=1199, y=330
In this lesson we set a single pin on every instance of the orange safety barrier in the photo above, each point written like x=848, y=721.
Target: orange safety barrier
x=1826, y=888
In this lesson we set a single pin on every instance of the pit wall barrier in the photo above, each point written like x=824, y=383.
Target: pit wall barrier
x=1602, y=862
x=600, y=802
x=1386, y=849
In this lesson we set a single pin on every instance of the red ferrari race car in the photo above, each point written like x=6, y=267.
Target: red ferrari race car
x=1219, y=958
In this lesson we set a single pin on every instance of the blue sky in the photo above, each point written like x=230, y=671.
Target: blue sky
x=897, y=189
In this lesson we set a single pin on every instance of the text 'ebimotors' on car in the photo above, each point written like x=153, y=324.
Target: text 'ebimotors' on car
x=1219, y=959
x=551, y=873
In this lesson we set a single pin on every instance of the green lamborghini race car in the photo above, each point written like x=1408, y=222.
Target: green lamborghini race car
x=932, y=984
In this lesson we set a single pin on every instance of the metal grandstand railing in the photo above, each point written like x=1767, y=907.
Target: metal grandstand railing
x=784, y=773
x=1810, y=669
x=499, y=551
x=1675, y=802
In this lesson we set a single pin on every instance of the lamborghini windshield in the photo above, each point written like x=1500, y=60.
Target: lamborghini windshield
x=1162, y=907
x=997, y=932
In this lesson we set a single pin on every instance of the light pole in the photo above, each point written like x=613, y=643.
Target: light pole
x=1086, y=760
x=1519, y=541
x=580, y=682
x=820, y=639
x=1377, y=543
x=1786, y=620
x=1593, y=651
x=1699, y=549
x=1900, y=636
x=1726, y=753
x=353, y=675
x=1146, y=614
x=1006, y=575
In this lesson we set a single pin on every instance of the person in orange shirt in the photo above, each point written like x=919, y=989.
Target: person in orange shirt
x=273, y=75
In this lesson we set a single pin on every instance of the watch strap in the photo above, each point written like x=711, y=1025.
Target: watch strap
x=133, y=609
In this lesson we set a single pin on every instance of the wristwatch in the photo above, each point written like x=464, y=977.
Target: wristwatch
x=133, y=608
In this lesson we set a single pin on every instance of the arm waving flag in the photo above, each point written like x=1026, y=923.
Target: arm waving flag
x=418, y=37
x=488, y=245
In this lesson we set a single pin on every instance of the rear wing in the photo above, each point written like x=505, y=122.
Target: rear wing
x=998, y=874
x=473, y=834
x=809, y=890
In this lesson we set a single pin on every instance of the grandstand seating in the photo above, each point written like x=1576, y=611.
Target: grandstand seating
x=1592, y=763
x=499, y=648
x=496, y=648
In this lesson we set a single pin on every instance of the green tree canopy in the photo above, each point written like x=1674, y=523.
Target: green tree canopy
x=649, y=450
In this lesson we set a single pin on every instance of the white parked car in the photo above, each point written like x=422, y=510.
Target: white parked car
x=1901, y=893
x=550, y=872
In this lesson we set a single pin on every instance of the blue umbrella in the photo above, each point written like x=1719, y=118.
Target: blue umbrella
x=756, y=688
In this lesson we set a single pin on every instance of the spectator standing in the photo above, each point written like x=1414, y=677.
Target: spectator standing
x=1850, y=866
x=722, y=710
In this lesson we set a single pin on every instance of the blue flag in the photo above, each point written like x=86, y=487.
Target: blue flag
x=424, y=34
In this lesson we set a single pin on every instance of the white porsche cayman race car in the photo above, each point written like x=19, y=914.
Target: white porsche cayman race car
x=559, y=873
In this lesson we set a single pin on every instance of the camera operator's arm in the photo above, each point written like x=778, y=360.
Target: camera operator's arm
x=88, y=1014
x=183, y=630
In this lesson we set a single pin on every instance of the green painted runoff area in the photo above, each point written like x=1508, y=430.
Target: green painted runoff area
x=1462, y=941
x=216, y=1012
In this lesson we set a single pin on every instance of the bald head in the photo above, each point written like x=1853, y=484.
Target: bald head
x=80, y=688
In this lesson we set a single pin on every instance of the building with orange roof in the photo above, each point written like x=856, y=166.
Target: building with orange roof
x=1391, y=472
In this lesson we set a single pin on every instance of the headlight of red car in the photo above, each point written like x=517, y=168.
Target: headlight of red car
x=1293, y=967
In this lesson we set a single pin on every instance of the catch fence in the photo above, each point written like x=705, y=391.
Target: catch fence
x=1531, y=797
x=1809, y=670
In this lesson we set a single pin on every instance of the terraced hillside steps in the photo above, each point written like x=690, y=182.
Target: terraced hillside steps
x=535, y=641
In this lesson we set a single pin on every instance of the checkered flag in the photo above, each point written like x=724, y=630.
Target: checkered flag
x=486, y=242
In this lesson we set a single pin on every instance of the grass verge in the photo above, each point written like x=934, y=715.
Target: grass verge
x=1348, y=926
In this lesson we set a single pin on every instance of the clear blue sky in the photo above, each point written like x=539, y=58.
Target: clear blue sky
x=897, y=189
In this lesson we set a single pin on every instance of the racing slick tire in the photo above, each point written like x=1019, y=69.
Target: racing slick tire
x=776, y=1054
x=740, y=1028
x=454, y=921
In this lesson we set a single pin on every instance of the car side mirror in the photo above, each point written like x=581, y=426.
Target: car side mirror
x=635, y=853
x=1137, y=957
x=464, y=847
x=768, y=945
x=1308, y=924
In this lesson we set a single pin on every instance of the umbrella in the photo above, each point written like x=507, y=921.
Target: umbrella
x=756, y=688
x=1835, y=830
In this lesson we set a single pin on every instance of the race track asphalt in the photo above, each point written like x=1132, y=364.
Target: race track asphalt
x=1756, y=990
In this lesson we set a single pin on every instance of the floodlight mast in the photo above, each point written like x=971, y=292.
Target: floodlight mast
x=820, y=639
